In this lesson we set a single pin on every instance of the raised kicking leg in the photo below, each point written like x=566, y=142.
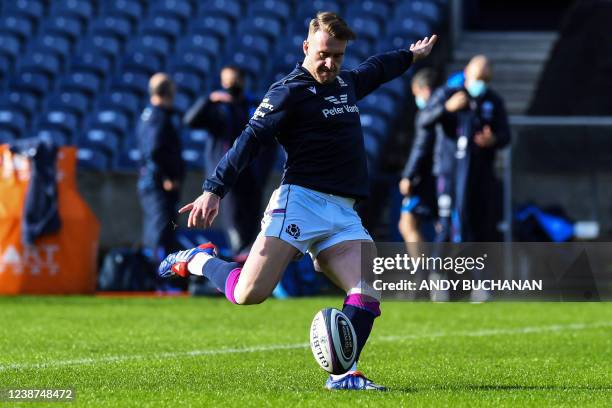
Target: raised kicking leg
x=342, y=263
x=251, y=284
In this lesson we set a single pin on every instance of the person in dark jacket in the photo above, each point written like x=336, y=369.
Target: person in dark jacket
x=224, y=113
x=161, y=167
x=312, y=112
x=418, y=182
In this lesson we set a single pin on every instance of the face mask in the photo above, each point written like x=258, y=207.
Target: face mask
x=420, y=102
x=476, y=88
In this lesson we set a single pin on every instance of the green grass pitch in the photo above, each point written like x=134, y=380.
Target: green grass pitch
x=206, y=352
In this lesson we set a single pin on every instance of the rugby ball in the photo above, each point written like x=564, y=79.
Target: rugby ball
x=333, y=341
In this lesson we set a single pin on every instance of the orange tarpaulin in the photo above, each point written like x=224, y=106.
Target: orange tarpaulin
x=60, y=263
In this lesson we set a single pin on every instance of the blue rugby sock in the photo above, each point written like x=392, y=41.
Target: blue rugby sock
x=224, y=275
x=361, y=311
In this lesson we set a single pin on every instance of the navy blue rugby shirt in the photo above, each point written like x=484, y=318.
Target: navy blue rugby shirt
x=317, y=125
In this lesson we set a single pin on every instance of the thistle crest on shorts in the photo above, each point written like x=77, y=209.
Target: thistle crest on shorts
x=293, y=230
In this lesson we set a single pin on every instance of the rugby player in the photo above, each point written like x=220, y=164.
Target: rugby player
x=313, y=114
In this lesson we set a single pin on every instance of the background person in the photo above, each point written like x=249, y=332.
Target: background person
x=161, y=168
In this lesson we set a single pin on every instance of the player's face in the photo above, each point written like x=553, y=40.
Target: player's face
x=324, y=56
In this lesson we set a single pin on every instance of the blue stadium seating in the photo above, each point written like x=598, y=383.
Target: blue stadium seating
x=116, y=25
x=193, y=157
x=281, y=9
x=77, y=71
x=71, y=101
x=103, y=140
x=32, y=9
x=93, y=159
x=7, y=136
x=219, y=25
x=200, y=43
x=376, y=9
x=161, y=25
x=181, y=9
x=81, y=9
x=10, y=45
x=13, y=120
x=67, y=26
x=231, y=9
x=61, y=120
x=58, y=137
x=41, y=60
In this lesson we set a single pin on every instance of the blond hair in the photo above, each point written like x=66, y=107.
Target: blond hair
x=332, y=24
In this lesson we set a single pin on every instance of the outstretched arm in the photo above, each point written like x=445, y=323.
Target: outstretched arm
x=382, y=68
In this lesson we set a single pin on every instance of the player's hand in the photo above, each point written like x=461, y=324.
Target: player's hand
x=423, y=47
x=202, y=211
x=456, y=102
x=486, y=138
x=220, y=96
x=404, y=187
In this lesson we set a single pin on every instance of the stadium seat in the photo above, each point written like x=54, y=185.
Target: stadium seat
x=372, y=146
x=422, y=10
x=195, y=137
x=397, y=40
x=93, y=159
x=219, y=26
x=34, y=82
x=121, y=99
x=6, y=136
x=66, y=26
x=82, y=9
x=20, y=26
x=10, y=45
x=365, y=27
x=161, y=25
x=192, y=61
x=361, y=48
x=281, y=9
x=130, y=9
x=24, y=101
x=409, y=26
x=32, y=9
x=252, y=43
x=60, y=119
x=127, y=160
x=182, y=9
x=104, y=140
x=231, y=9
x=376, y=124
x=250, y=63
x=193, y=157
x=59, y=43
x=72, y=101
x=58, y=137
x=6, y=68
x=395, y=88
x=82, y=81
x=107, y=44
x=92, y=61
x=151, y=43
x=351, y=62
x=40, y=61
x=261, y=24
x=183, y=101
x=377, y=9
x=206, y=43
x=14, y=121
x=136, y=82
x=112, y=119
x=380, y=103
x=141, y=61
x=189, y=81
x=117, y=26
x=308, y=9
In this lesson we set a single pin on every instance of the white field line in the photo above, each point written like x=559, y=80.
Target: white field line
x=276, y=347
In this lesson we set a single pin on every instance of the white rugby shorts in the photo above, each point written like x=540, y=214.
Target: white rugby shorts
x=311, y=221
